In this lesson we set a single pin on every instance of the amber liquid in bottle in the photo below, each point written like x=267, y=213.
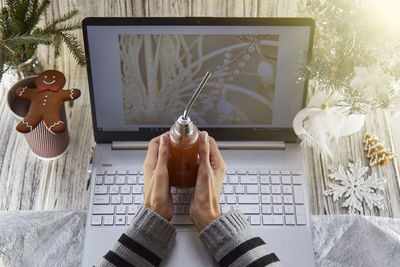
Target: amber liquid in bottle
x=183, y=162
x=183, y=165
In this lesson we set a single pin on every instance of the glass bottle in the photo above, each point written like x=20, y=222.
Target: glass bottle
x=183, y=160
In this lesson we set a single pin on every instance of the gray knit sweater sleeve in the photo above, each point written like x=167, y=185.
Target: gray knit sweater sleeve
x=145, y=243
x=233, y=242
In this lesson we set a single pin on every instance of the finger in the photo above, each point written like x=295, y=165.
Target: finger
x=152, y=153
x=215, y=154
x=204, y=150
x=163, y=151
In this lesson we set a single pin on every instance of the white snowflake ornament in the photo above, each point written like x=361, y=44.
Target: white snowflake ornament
x=355, y=188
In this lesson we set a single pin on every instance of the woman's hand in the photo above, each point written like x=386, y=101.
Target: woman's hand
x=156, y=181
x=204, y=208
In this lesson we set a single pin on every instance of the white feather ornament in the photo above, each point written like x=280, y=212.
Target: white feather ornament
x=319, y=124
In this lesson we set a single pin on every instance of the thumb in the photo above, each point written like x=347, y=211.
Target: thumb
x=204, y=149
x=163, y=151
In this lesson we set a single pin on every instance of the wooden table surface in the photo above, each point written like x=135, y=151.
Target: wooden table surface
x=28, y=183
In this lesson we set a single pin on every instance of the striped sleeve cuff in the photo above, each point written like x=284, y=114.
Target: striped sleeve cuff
x=145, y=243
x=234, y=243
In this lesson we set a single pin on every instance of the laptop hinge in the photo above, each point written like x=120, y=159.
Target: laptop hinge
x=121, y=145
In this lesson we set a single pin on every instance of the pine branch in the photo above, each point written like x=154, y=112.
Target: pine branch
x=57, y=45
x=74, y=47
x=63, y=18
x=70, y=26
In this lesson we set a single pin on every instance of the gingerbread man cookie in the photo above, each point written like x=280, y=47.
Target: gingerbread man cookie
x=46, y=100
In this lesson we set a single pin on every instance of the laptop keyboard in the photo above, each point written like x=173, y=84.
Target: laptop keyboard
x=265, y=197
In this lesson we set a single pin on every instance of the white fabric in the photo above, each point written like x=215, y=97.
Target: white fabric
x=55, y=238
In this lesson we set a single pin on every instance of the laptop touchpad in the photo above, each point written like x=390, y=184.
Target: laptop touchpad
x=188, y=250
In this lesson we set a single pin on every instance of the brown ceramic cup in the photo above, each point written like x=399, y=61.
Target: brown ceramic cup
x=43, y=143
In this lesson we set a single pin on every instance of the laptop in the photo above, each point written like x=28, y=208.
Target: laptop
x=143, y=71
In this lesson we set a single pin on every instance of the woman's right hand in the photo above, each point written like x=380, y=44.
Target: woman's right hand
x=204, y=208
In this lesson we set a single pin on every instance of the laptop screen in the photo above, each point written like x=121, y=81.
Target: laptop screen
x=142, y=73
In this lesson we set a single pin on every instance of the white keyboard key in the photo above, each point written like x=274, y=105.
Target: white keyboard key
x=173, y=190
x=277, y=209
x=249, y=179
x=242, y=172
x=125, y=189
x=253, y=172
x=228, y=189
x=266, y=209
x=120, y=180
x=101, y=199
x=100, y=190
x=141, y=172
x=226, y=179
x=225, y=208
x=233, y=179
x=276, y=199
x=240, y=189
x=265, y=189
x=136, y=189
x=265, y=199
x=187, y=209
x=229, y=172
x=275, y=172
x=120, y=210
x=181, y=219
x=120, y=220
x=96, y=220
x=132, y=172
x=264, y=179
x=276, y=189
x=100, y=172
x=249, y=209
x=185, y=199
x=140, y=180
x=287, y=189
x=108, y=220
x=263, y=172
x=109, y=180
x=296, y=172
x=287, y=199
x=179, y=209
x=115, y=199
x=114, y=190
x=285, y=172
x=102, y=209
x=127, y=199
x=98, y=180
x=221, y=199
x=272, y=219
x=288, y=209
x=248, y=199
x=122, y=172
x=138, y=199
x=255, y=220
x=297, y=179
x=231, y=199
x=275, y=179
x=286, y=180
x=298, y=194
x=175, y=198
x=289, y=220
x=132, y=209
x=111, y=172
x=300, y=215
x=130, y=218
x=131, y=180
x=252, y=189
